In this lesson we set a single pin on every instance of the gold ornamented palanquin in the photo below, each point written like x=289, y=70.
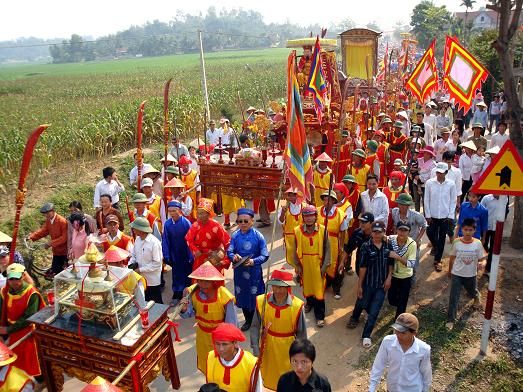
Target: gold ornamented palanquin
x=245, y=182
x=63, y=351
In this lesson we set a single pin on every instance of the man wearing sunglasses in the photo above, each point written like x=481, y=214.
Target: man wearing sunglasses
x=248, y=276
x=19, y=300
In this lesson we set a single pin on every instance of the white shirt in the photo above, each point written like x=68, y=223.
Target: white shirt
x=454, y=174
x=467, y=257
x=378, y=205
x=498, y=139
x=133, y=175
x=228, y=138
x=107, y=188
x=294, y=208
x=451, y=146
x=490, y=203
x=430, y=120
x=212, y=136
x=465, y=165
x=346, y=219
x=440, y=146
x=118, y=237
x=179, y=148
x=440, y=199
x=409, y=371
x=148, y=254
x=429, y=134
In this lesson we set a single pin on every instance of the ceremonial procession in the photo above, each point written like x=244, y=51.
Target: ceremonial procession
x=340, y=237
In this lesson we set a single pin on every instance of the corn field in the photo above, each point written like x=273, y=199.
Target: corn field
x=92, y=107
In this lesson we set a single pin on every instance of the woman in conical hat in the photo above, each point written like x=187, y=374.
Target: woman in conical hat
x=211, y=304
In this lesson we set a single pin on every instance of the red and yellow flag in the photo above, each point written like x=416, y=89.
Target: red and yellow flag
x=463, y=74
x=297, y=155
x=316, y=83
x=424, y=79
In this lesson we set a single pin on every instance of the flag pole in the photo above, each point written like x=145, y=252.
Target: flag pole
x=331, y=180
x=204, y=83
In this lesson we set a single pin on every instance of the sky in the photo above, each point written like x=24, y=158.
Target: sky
x=95, y=18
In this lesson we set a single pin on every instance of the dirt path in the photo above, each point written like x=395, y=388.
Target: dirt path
x=339, y=349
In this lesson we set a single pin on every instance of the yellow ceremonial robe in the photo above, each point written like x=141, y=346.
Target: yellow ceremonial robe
x=291, y=222
x=15, y=380
x=234, y=378
x=131, y=281
x=361, y=176
x=309, y=248
x=321, y=184
x=189, y=180
x=230, y=204
x=333, y=228
x=281, y=334
x=154, y=208
x=209, y=313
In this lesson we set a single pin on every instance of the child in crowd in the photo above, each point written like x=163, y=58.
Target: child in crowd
x=465, y=256
x=478, y=160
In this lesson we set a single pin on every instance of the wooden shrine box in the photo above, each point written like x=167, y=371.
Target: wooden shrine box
x=247, y=182
x=63, y=350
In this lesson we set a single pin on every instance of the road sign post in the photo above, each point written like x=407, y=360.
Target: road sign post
x=494, y=268
x=504, y=176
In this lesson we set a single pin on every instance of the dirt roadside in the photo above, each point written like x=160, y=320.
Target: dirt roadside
x=340, y=354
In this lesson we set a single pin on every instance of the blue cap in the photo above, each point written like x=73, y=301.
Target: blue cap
x=245, y=211
x=174, y=203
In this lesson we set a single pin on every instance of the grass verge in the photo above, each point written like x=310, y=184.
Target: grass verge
x=453, y=369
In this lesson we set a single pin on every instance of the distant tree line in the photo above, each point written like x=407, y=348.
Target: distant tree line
x=25, y=49
x=226, y=29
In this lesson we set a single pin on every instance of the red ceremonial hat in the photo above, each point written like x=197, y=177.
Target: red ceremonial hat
x=226, y=332
x=282, y=278
x=340, y=187
x=396, y=174
x=115, y=254
x=100, y=384
x=175, y=183
x=206, y=205
x=184, y=160
x=323, y=157
x=207, y=271
x=6, y=355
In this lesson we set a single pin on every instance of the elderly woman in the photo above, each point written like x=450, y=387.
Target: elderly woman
x=248, y=276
